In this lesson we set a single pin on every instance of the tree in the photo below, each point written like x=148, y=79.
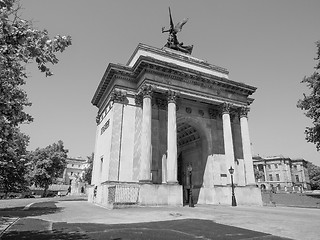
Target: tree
x=314, y=176
x=258, y=174
x=20, y=44
x=13, y=164
x=47, y=164
x=88, y=171
x=311, y=103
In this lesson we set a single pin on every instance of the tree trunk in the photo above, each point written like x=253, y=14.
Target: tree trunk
x=44, y=194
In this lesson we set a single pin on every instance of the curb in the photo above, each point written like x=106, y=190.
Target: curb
x=7, y=227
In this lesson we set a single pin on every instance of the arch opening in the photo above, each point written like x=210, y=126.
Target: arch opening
x=192, y=149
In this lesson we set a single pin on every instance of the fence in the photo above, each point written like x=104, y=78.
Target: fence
x=123, y=194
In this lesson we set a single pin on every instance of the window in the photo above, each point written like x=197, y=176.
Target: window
x=278, y=177
x=270, y=177
x=269, y=166
x=297, y=178
x=276, y=165
x=72, y=165
x=71, y=173
x=295, y=167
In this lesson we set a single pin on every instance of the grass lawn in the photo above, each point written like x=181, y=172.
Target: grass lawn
x=291, y=199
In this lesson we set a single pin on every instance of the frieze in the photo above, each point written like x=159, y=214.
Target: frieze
x=118, y=96
x=105, y=127
x=194, y=79
x=165, y=74
x=98, y=119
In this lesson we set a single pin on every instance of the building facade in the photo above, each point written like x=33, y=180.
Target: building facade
x=282, y=173
x=163, y=114
x=74, y=170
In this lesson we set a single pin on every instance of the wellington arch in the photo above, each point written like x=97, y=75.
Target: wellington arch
x=162, y=114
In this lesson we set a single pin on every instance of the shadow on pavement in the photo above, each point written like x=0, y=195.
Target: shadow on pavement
x=37, y=209
x=186, y=229
x=47, y=235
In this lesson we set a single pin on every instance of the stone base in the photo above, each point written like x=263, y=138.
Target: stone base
x=160, y=194
x=146, y=194
x=245, y=195
x=119, y=195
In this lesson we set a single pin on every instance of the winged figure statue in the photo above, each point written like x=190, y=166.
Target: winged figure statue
x=173, y=42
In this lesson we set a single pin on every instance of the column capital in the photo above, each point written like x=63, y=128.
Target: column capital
x=118, y=96
x=244, y=111
x=146, y=91
x=226, y=107
x=172, y=96
x=138, y=99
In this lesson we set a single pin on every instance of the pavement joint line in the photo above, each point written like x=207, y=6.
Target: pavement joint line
x=9, y=226
x=102, y=206
x=28, y=206
x=50, y=226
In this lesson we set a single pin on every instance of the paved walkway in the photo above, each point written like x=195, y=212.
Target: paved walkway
x=294, y=223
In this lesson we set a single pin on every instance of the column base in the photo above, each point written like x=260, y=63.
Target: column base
x=145, y=181
x=252, y=185
x=172, y=182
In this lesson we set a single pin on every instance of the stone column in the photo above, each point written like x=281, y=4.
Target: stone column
x=146, y=157
x=246, y=146
x=265, y=172
x=227, y=138
x=172, y=139
x=164, y=168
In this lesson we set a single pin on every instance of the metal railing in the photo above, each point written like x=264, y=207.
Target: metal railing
x=123, y=194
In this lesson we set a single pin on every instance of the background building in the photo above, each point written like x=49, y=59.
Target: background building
x=282, y=173
x=75, y=169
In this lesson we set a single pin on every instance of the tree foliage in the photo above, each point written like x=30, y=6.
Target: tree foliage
x=88, y=171
x=314, y=176
x=20, y=44
x=13, y=164
x=258, y=174
x=47, y=164
x=311, y=103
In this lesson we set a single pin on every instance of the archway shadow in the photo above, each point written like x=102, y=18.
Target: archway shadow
x=192, y=150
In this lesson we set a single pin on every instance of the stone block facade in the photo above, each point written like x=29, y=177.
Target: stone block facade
x=166, y=112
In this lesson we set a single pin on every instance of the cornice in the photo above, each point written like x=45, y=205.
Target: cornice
x=172, y=71
x=189, y=75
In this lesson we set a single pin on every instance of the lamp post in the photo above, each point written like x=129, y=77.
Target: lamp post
x=189, y=169
x=234, y=201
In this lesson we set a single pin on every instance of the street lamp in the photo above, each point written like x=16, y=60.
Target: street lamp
x=189, y=169
x=234, y=202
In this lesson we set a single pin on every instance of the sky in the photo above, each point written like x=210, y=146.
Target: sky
x=266, y=44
